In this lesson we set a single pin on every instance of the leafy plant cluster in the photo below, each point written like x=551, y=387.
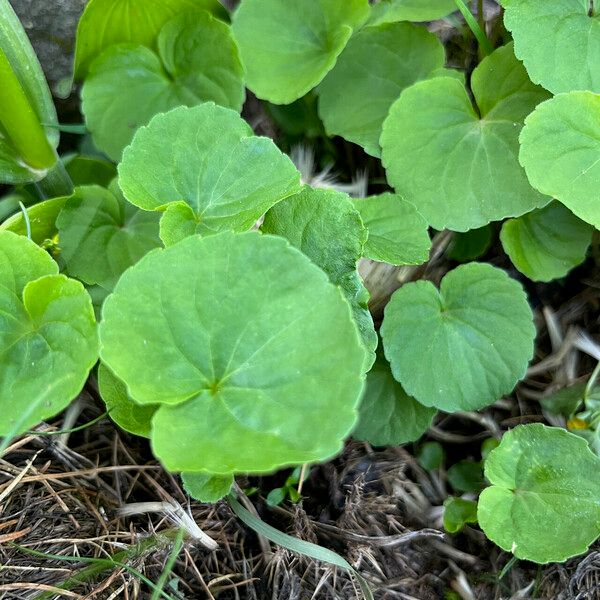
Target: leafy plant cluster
x=243, y=344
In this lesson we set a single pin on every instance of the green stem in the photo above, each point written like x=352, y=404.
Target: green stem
x=589, y=387
x=478, y=32
x=57, y=182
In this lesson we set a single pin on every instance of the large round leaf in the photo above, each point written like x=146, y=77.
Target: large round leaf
x=207, y=157
x=374, y=68
x=288, y=47
x=458, y=167
x=546, y=244
x=108, y=22
x=128, y=84
x=560, y=150
x=544, y=501
x=388, y=11
x=48, y=338
x=253, y=368
x=559, y=42
x=101, y=235
x=463, y=347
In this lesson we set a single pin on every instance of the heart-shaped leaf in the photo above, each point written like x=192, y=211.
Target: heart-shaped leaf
x=108, y=22
x=541, y=476
x=458, y=167
x=559, y=42
x=560, y=150
x=94, y=219
x=547, y=243
x=206, y=487
x=374, y=68
x=475, y=337
x=398, y=234
x=207, y=157
x=235, y=356
x=197, y=61
x=48, y=339
x=389, y=11
x=288, y=47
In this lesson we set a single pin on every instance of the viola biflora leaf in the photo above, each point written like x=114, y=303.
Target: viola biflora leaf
x=128, y=415
x=398, y=234
x=206, y=487
x=388, y=415
x=547, y=243
x=207, y=157
x=376, y=65
x=560, y=150
x=42, y=220
x=108, y=22
x=460, y=169
x=476, y=337
x=541, y=476
x=94, y=219
x=325, y=226
x=389, y=11
x=197, y=61
x=253, y=368
x=48, y=339
x=288, y=47
x=470, y=245
x=558, y=41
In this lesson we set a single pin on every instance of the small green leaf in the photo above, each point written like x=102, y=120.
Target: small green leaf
x=177, y=222
x=558, y=41
x=206, y=487
x=487, y=446
x=108, y=22
x=389, y=11
x=89, y=170
x=544, y=501
x=288, y=47
x=42, y=218
x=128, y=415
x=207, y=157
x=94, y=218
x=475, y=337
x=466, y=476
x=567, y=400
x=387, y=415
x=235, y=355
x=458, y=512
x=398, y=234
x=376, y=65
x=546, y=244
x=560, y=150
x=276, y=496
x=458, y=163
x=471, y=245
x=431, y=456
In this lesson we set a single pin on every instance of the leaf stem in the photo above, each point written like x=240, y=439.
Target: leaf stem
x=589, y=387
x=484, y=44
x=26, y=219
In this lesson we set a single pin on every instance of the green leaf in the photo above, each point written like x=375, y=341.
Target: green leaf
x=475, y=337
x=398, y=234
x=108, y=22
x=276, y=496
x=42, y=218
x=544, y=501
x=546, y=244
x=206, y=487
x=567, y=400
x=470, y=245
x=288, y=47
x=48, y=338
x=128, y=415
x=177, y=222
x=388, y=415
x=458, y=512
x=558, y=41
x=254, y=368
x=458, y=168
x=207, y=157
x=197, y=61
x=376, y=65
x=89, y=170
x=431, y=456
x=101, y=235
x=325, y=226
x=560, y=150
x=388, y=11
x=466, y=476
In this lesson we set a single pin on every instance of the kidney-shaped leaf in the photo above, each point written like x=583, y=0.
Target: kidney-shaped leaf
x=127, y=85
x=206, y=487
x=207, y=157
x=544, y=501
x=560, y=150
x=376, y=65
x=558, y=41
x=463, y=347
x=288, y=47
x=388, y=11
x=547, y=243
x=254, y=368
x=48, y=339
x=461, y=169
